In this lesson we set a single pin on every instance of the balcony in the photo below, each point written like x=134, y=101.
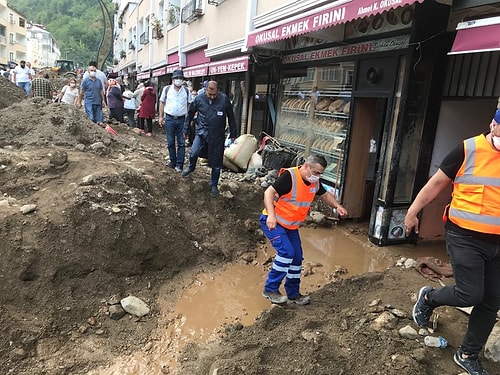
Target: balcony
x=144, y=38
x=215, y=2
x=192, y=11
x=131, y=45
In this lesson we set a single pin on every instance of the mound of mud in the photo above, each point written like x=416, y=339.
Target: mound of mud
x=108, y=219
x=10, y=93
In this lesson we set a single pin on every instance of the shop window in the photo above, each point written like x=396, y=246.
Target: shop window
x=313, y=116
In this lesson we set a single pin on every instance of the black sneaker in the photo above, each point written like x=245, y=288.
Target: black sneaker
x=171, y=165
x=471, y=364
x=422, y=311
x=214, y=191
x=186, y=172
x=300, y=300
x=274, y=297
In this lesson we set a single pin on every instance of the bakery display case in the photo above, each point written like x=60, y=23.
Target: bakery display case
x=313, y=115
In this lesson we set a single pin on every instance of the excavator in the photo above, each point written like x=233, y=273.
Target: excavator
x=61, y=68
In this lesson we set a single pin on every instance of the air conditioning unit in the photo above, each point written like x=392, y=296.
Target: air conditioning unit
x=198, y=12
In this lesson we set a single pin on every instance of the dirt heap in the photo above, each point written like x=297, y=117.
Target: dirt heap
x=104, y=218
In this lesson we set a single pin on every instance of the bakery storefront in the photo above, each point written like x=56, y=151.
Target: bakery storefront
x=357, y=93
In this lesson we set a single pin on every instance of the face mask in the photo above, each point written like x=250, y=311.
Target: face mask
x=72, y=84
x=496, y=142
x=92, y=74
x=313, y=179
x=22, y=66
x=178, y=82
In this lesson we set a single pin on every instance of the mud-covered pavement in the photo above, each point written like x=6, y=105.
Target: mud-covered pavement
x=110, y=220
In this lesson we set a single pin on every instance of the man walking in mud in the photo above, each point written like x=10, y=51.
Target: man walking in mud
x=472, y=223
x=91, y=91
x=287, y=202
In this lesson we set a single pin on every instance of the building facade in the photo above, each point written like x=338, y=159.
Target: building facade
x=368, y=84
x=13, y=35
x=42, y=49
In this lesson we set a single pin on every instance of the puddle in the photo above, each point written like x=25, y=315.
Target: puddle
x=212, y=301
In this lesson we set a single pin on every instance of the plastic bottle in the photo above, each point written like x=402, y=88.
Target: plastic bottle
x=436, y=342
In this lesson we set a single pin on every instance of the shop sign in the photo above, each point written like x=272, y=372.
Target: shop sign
x=237, y=65
x=331, y=15
x=142, y=75
x=160, y=72
x=171, y=68
x=371, y=46
x=196, y=71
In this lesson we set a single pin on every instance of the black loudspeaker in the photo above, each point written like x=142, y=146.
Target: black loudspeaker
x=375, y=75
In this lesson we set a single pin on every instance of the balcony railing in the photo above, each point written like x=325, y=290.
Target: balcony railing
x=144, y=38
x=192, y=11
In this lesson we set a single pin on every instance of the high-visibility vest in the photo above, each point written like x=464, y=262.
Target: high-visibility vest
x=475, y=202
x=291, y=208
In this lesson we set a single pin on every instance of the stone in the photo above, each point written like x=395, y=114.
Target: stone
x=116, y=312
x=28, y=208
x=408, y=332
x=492, y=347
x=134, y=306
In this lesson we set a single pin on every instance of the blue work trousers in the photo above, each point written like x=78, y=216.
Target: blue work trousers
x=288, y=260
x=476, y=269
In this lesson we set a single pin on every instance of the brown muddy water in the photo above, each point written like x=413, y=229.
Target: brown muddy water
x=211, y=302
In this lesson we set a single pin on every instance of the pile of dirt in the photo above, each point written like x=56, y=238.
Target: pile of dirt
x=87, y=218
x=10, y=93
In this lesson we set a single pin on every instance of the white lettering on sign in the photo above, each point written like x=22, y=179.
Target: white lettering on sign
x=349, y=50
x=328, y=18
x=266, y=36
x=294, y=28
x=389, y=3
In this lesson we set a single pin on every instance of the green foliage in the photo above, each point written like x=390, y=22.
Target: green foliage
x=77, y=26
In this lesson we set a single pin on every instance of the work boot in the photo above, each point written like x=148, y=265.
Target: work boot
x=274, y=297
x=300, y=300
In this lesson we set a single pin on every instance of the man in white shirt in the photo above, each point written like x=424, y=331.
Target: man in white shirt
x=174, y=104
x=22, y=77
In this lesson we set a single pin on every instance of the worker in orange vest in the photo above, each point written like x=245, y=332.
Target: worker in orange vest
x=472, y=223
x=287, y=202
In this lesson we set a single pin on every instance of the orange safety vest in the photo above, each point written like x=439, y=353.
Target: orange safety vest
x=291, y=208
x=475, y=203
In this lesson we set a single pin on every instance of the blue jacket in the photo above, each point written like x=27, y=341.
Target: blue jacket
x=212, y=117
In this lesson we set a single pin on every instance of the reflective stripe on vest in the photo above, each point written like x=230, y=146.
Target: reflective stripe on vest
x=475, y=203
x=291, y=209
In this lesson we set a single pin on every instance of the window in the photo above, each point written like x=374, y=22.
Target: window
x=11, y=38
x=173, y=14
x=11, y=18
x=22, y=22
x=192, y=10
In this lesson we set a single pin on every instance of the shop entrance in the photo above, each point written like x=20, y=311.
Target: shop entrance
x=364, y=153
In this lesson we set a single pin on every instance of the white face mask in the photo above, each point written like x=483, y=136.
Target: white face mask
x=496, y=141
x=178, y=82
x=313, y=179
x=72, y=84
x=92, y=74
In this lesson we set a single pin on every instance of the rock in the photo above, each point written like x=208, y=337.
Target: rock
x=89, y=180
x=98, y=146
x=20, y=353
x=227, y=194
x=134, y=306
x=58, y=158
x=410, y=263
x=317, y=217
x=28, y=208
x=384, y=321
x=408, y=332
x=116, y=312
x=399, y=313
x=492, y=347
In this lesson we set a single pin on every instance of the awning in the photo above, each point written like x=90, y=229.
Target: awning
x=236, y=65
x=320, y=18
x=160, y=72
x=143, y=75
x=196, y=71
x=477, y=36
x=171, y=68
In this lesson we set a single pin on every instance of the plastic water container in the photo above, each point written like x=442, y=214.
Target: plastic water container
x=436, y=342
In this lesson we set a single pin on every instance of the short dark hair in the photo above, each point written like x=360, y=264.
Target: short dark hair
x=93, y=63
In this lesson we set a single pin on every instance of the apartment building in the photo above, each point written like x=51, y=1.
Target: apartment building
x=380, y=88
x=13, y=31
x=42, y=49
